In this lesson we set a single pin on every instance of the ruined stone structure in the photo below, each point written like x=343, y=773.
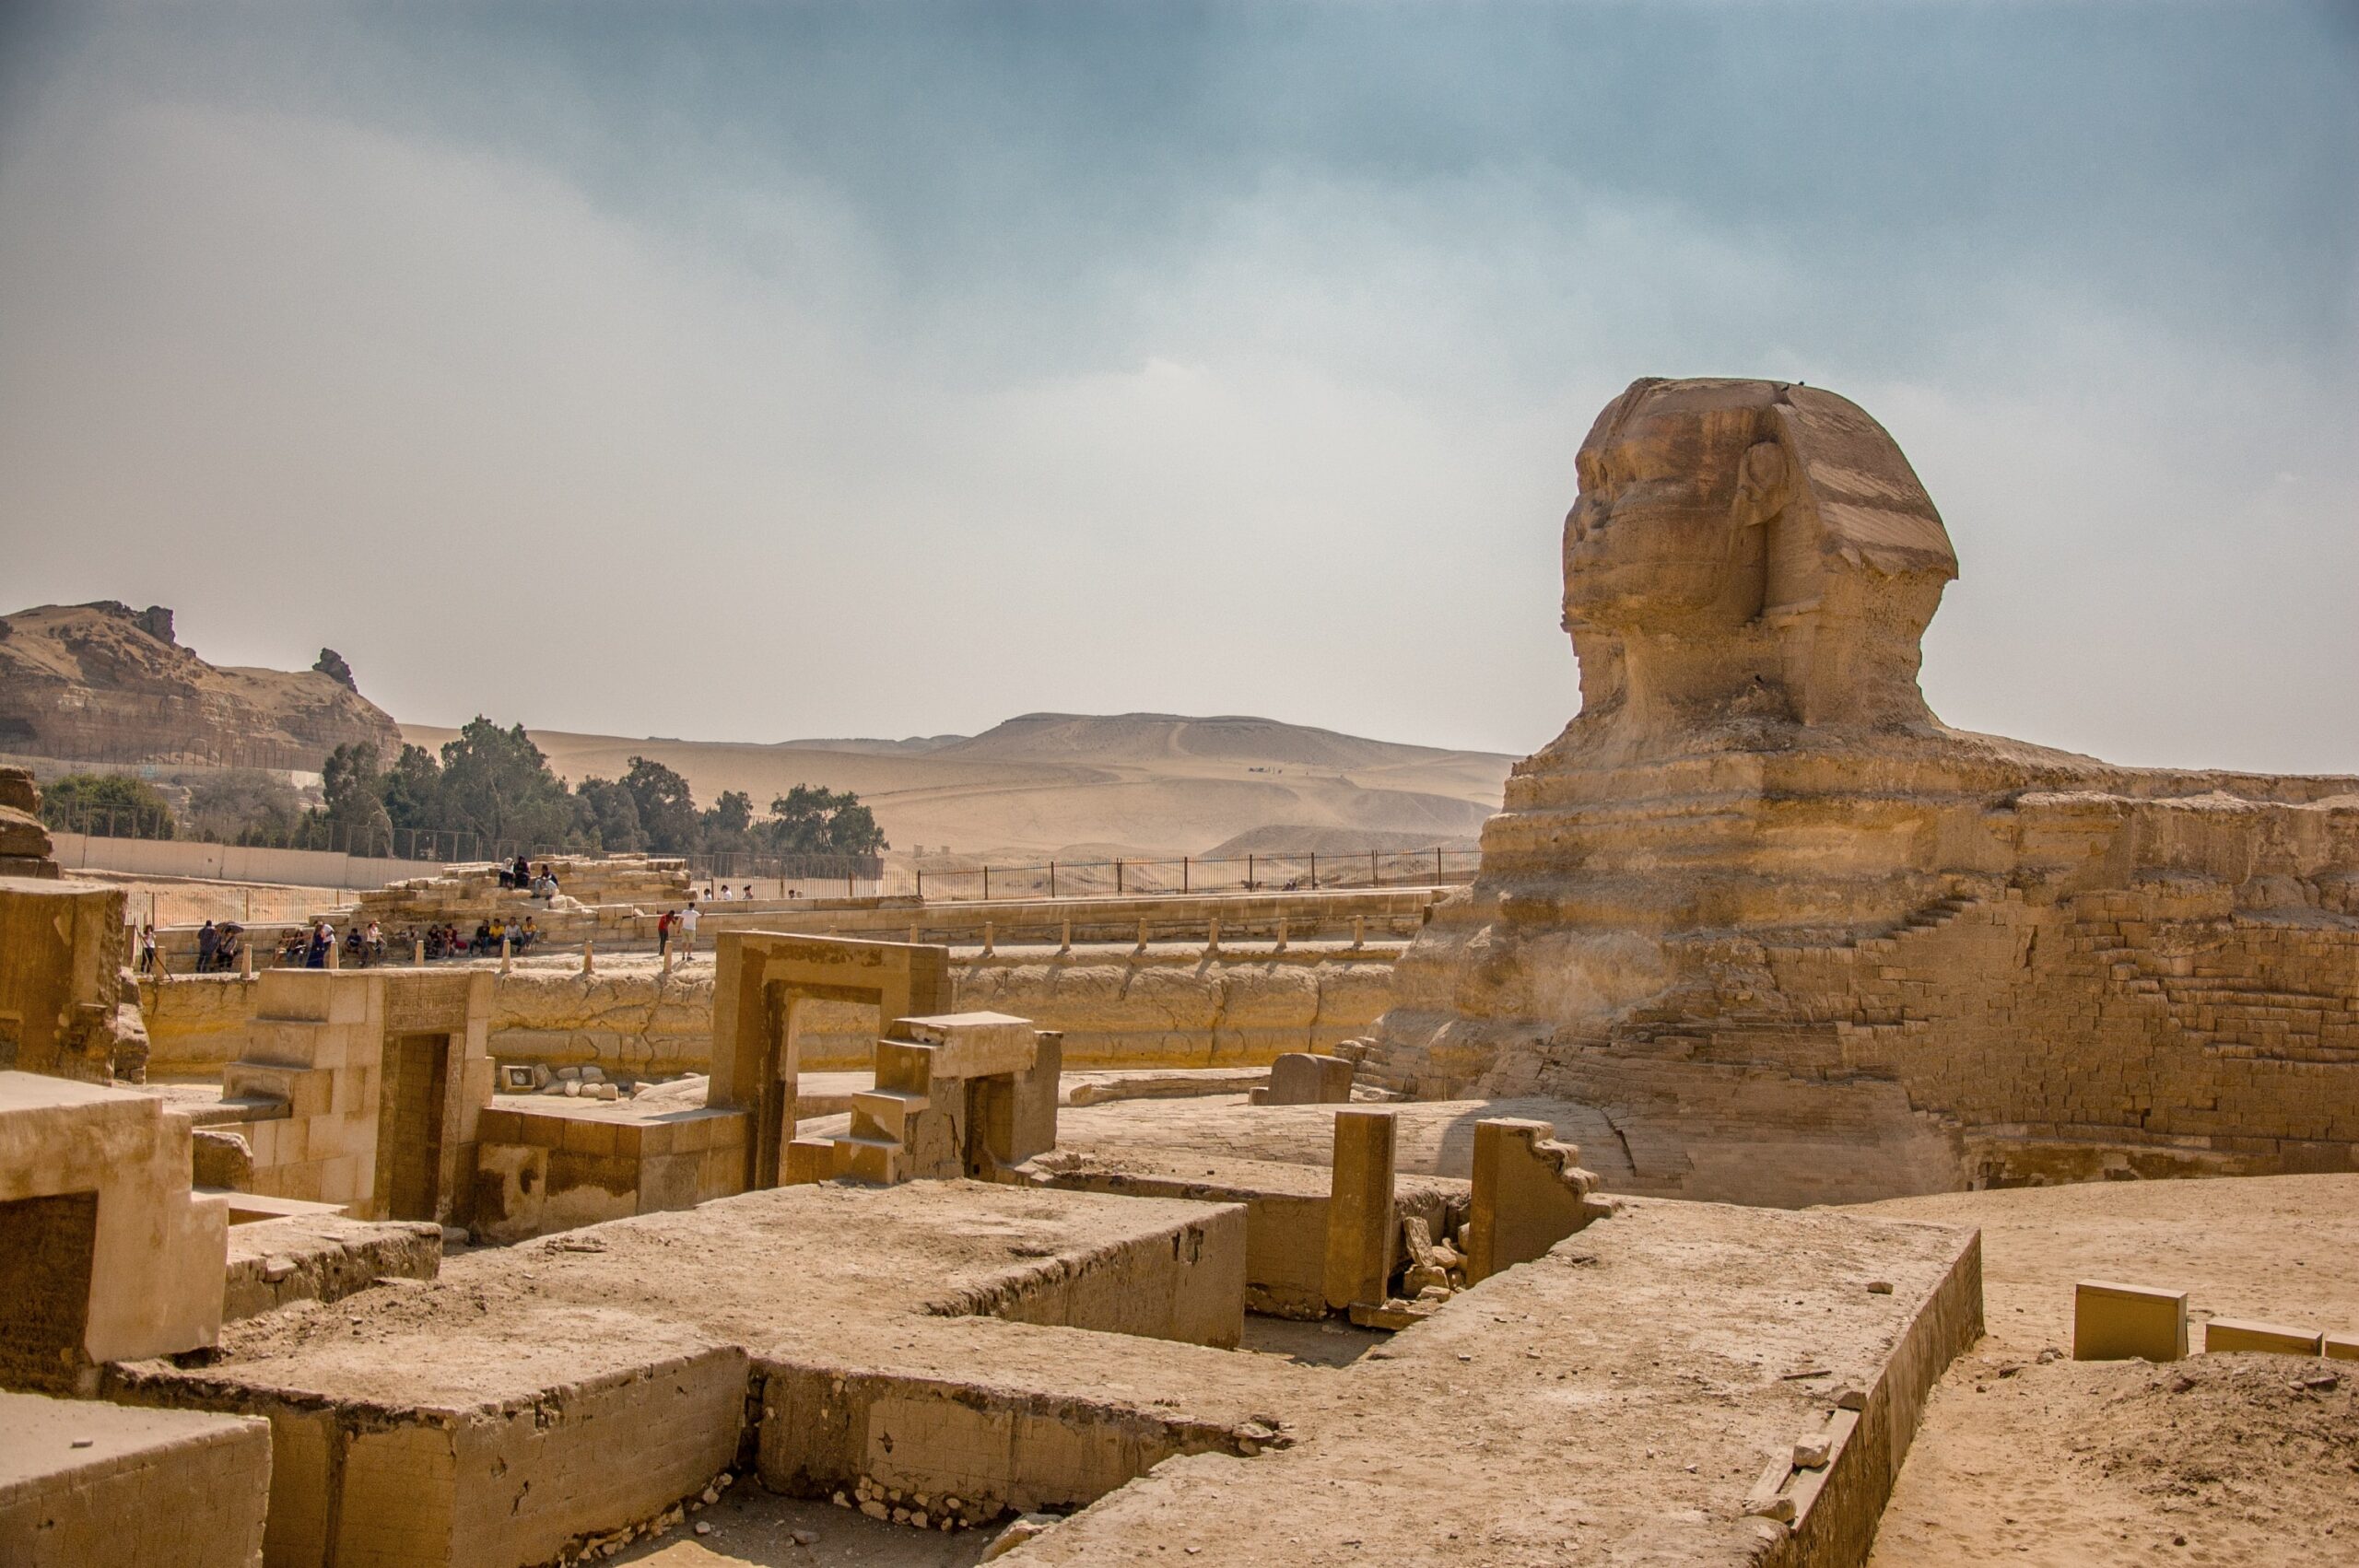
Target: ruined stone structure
x=68, y=1004
x=1799, y=941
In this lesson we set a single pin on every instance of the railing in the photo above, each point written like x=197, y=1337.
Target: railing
x=1282, y=871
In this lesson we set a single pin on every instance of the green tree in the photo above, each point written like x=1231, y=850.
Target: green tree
x=355, y=817
x=110, y=803
x=667, y=812
x=412, y=790
x=605, y=813
x=727, y=828
x=812, y=820
x=243, y=805
x=497, y=784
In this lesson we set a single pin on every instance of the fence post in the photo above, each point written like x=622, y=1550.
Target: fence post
x=1052, y=879
x=1374, y=876
x=920, y=887
x=1437, y=865
x=1118, y=877
x=1183, y=873
x=987, y=885
x=1248, y=871
x=1314, y=870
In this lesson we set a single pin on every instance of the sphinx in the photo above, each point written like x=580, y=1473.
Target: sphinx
x=1794, y=939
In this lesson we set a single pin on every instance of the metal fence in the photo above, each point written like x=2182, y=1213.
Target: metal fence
x=1281, y=872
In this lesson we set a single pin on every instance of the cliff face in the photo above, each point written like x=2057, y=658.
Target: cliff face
x=105, y=683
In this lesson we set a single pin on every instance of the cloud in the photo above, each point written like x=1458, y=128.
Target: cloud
x=886, y=383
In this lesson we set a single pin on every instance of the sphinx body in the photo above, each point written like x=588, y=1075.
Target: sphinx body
x=1796, y=939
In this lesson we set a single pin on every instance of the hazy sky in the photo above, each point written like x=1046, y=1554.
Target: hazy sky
x=748, y=372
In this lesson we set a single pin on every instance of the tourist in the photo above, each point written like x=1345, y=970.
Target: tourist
x=322, y=938
x=521, y=873
x=688, y=931
x=663, y=934
x=482, y=943
x=147, y=950
x=225, y=957
x=748, y=894
x=527, y=935
x=498, y=930
x=727, y=894
x=208, y=943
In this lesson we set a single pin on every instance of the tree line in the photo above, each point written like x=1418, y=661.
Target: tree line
x=491, y=782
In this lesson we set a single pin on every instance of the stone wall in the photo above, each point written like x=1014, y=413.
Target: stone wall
x=1116, y=1007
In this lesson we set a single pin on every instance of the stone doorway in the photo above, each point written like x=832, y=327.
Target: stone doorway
x=46, y=1248
x=411, y=1111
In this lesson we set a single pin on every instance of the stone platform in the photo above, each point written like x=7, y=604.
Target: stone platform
x=86, y=1485
x=966, y=1349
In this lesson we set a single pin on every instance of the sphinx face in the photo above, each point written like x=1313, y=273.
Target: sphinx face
x=1657, y=541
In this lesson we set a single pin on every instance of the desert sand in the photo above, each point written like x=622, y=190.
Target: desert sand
x=1082, y=786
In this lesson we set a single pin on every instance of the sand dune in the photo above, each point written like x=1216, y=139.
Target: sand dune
x=1050, y=783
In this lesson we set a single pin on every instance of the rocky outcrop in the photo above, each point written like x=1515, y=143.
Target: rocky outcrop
x=1802, y=942
x=105, y=683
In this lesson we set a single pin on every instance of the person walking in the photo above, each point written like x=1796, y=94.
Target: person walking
x=688, y=931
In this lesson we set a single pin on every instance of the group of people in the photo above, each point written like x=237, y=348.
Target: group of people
x=219, y=947
x=521, y=877
x=306, y=947
x=676, y=926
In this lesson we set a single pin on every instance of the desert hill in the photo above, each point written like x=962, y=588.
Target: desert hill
x=102, y=682
x=1074, y=784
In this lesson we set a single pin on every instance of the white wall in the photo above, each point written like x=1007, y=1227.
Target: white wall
x=231, y=863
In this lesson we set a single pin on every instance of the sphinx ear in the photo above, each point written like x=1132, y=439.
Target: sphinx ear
x=1761, y=484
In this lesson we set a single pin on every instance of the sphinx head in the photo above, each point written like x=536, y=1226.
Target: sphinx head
x=1756, y=542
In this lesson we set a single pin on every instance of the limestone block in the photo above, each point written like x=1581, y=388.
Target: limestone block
x=92, y=1485
x=971, y=1045
x=2117, y=1322
x=1530, y=1193
x=2340, y=1346
x=2222, y=1334
x=1298, y=1078
x=1360, y=1225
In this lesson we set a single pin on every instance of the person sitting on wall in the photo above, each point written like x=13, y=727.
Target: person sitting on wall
x=525, y=935
x=323, y=938
x=291, y=951
x=523, y=871
x=482, y=943
x=498, y=930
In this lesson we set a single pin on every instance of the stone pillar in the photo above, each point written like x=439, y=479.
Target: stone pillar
x=246, y=960
x=1141, y=946
x=417, y=951
x=1064, y=938
x=589, y=957
x=335, y=946
x=1360, y=931
x=1360, y=1226
x=987, y=938
x=507, y=951
x=1212, y=935
x=1282, y=935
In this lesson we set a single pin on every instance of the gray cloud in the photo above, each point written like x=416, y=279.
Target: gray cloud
x=753, y=373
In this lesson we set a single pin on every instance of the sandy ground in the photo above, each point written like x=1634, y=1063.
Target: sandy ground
x=187, y=901
x=1138, y=784
x=753, y=1528
x=2216, y=1460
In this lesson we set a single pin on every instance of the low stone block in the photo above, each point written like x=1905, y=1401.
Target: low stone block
x=2117, y=1322
x=1298, y=1078
x=2340, y=1346
x=2223, y=1334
